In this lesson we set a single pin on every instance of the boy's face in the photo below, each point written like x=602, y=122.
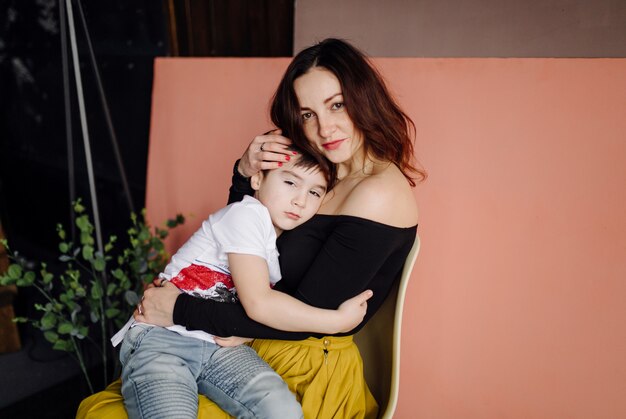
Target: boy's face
x=291, y=194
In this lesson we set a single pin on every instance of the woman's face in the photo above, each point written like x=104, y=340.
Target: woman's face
x=325, y=120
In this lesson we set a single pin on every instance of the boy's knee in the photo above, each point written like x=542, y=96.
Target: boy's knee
x=277, y=401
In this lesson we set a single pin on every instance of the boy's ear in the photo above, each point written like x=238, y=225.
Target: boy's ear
x=255, y=180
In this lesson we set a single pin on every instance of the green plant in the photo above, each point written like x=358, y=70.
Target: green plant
x=94, y=293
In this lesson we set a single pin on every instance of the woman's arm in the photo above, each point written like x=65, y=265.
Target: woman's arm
x=161, y=305
x=240, y=186
x=281, y=311
x=254, y=160
x=358, y=255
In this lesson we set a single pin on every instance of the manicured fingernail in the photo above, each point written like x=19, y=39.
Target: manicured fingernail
x=280, y=164
x=294, y=152
x=287, y=158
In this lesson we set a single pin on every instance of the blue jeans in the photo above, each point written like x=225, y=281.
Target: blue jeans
x=163, y=372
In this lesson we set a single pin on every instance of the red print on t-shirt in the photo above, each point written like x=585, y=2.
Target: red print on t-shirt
x=196, y=276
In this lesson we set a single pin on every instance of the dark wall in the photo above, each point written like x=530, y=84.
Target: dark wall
x=34, y=185
x=34, y=189
x=126, y=37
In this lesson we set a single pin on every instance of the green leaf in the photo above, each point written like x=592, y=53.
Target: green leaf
x=111, y=288
x=85, y=238
x=65, y=328
x=112, y=312
x=96, y=291
x=61, y=231
x=87, y=252
x=15, y=271
x=118, y=273
x=144, y=234
x=64, y=247
x=74, y=314
x=131, y=298
x=30, y=277
x=78, y=206
x=83, y=223
x=82, y=331
x=63, y=345
x=47, y=277
x=51, y=336
x=64, y=258
x=48, y=321
x=99, y=264
x=180, y=219
x=143, y=267
x=23, y=282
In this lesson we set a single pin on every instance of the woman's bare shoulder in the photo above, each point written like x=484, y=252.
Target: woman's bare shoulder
x=385, y=197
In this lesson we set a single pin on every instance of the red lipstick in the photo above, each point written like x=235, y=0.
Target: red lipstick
x=333, y=145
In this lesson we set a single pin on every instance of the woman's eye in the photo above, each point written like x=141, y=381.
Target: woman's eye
x=307, y=115
x=337, y=105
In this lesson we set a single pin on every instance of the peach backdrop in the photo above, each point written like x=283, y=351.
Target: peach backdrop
x=517, y=305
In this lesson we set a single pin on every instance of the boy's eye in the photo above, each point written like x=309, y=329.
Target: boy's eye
x=290, y=183
x=315, y=194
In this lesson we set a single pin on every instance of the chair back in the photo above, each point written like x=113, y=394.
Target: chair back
x=379, y=342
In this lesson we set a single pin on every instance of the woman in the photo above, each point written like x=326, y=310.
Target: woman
x=331, y=100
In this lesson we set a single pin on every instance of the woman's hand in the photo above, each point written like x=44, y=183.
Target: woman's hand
x=267, y=151
x=353, y=310
x=231, y=341
x=157, y=305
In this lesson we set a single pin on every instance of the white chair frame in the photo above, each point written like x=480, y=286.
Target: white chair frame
x=379, y=342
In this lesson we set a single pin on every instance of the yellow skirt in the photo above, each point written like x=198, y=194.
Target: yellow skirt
x=325, y=374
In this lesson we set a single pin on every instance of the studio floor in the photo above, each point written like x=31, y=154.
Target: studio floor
x=38, y=382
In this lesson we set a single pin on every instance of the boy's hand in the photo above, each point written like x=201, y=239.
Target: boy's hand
x=352, y=311
x=231, y=341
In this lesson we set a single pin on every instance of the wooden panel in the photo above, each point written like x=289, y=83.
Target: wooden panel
x=231, y=28
x=9, y=337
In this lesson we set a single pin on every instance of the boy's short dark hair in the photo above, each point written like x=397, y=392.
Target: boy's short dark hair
x=314, y=160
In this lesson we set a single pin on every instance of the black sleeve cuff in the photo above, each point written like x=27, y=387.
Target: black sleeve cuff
x=179, y=310
x=240, y=186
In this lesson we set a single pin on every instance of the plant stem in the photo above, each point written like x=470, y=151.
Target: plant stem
x=104, y=341
x=82, y=364
x=43, y=292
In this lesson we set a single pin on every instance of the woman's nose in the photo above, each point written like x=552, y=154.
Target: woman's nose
x=326, y=127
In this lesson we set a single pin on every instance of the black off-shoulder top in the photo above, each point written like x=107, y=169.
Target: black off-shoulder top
x=323, y=262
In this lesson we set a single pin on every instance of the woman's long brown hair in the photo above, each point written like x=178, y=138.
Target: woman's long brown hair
x=387, y=131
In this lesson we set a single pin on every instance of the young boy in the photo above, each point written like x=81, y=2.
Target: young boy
x=232, y=256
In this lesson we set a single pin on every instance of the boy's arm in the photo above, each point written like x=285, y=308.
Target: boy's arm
x=281, y=311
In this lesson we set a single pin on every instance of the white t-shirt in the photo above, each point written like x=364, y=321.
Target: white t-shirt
x=200, y=267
